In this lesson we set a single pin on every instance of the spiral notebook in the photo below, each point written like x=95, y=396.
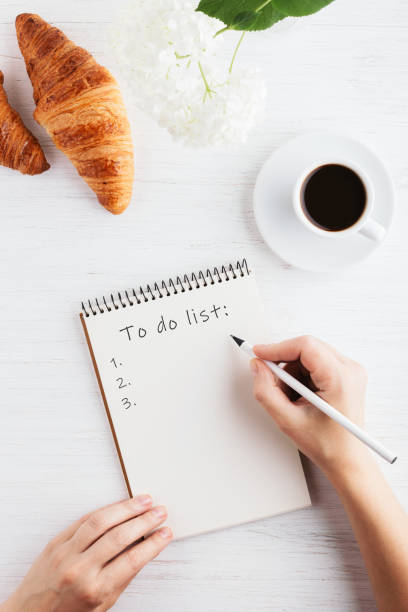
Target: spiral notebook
x=178, y=396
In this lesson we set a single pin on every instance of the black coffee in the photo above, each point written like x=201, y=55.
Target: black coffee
x=333, y=197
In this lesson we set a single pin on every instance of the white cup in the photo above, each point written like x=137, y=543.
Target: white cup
x=366, y=225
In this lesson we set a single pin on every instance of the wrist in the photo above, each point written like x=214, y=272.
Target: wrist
x=354, y=467
x=15, y=603
x=7, y=606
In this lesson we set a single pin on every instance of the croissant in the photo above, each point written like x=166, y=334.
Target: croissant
x=19, y=149
x=80, y=105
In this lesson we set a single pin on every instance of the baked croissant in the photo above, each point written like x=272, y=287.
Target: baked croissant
x=19, y=149
x=80, y=105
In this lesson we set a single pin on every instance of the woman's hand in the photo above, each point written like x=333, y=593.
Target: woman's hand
x=337, y=379
x=88, y=565
x=379, y=522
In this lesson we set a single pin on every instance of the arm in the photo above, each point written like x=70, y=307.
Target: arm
x=379, y=522
x=86, y=567
x=381, y=528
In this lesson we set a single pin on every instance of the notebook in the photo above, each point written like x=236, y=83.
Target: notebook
x=178, y=395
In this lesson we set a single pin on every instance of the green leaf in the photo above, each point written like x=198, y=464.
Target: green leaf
x=242, y=14
x=244, y=20
x=299, y=8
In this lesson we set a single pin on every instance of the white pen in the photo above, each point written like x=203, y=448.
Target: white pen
x=317, y=401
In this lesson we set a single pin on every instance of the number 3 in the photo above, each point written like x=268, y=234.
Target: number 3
x=126, y=403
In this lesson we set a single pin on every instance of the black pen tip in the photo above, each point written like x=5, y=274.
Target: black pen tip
x=237, y=340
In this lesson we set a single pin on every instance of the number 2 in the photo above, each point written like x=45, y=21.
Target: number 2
x=121, y=385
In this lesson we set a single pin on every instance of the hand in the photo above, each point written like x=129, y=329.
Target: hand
x=337, y=379
x=88, y=565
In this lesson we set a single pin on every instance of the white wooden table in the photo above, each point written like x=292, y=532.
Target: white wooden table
x=345, y=68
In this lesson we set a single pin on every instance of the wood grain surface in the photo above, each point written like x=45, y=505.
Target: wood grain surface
x=343, y=69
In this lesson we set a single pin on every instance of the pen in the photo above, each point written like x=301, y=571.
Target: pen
x=317, y=401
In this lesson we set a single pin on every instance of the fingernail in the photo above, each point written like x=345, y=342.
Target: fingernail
x=254, y=366
x=165, y=533
x=144, y=500
x=160, y=511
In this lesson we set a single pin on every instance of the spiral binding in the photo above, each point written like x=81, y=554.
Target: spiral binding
x=124, y=299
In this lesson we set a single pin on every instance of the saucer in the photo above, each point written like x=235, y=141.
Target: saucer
x=276, y=219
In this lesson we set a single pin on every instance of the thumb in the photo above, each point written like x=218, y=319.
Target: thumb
x=267, y=391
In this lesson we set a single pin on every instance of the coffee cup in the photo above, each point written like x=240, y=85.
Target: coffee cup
x=336, y=198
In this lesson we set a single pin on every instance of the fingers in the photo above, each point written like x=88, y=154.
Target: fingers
x=67, y=534
x=100, y=521
x=335, y=352
x=268, y=392
x=117, y=539
x=122, y=569
x=314, y=355
x=295, y=369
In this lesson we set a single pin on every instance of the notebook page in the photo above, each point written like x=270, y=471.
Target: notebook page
x=180, y=397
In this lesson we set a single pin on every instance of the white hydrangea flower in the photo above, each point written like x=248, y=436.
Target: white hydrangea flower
x=167, y=54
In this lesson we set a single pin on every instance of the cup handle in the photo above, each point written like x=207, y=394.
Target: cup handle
x=373, y=230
